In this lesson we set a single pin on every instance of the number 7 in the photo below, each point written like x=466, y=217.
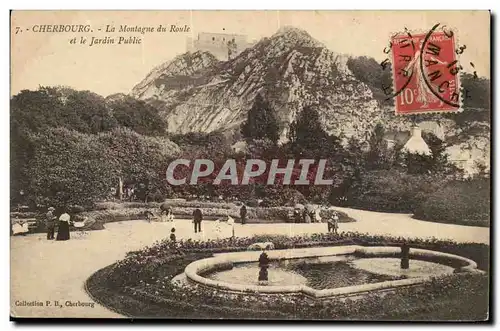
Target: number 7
x=17, y=29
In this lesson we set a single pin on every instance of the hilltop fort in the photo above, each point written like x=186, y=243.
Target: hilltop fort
x=224, y=46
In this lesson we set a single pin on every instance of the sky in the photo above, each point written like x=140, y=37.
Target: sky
x=48, y=59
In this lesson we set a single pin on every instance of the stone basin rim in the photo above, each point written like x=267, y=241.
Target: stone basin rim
x=193, y=270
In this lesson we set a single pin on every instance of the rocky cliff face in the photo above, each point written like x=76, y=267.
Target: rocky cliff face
x=196, y=93
x=182, y=66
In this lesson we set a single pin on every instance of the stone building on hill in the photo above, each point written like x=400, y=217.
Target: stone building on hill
x=416, y=144
x=224, y=46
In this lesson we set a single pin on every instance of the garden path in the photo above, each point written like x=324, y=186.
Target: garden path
x=52, y=271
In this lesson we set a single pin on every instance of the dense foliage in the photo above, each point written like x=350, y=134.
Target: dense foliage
x=261, y=122
x=391, y=191
x=66, y=168
x=71, y=147
x=370, y=72
x=459, y=202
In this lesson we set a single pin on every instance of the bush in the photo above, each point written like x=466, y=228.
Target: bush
x=392, y=191
x=459, y=202
x=156, y=196
x=171, y=202
x=282, y=196
x=115, y=211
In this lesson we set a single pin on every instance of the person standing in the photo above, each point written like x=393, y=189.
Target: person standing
x=230, y=222
x=164, y=207
x=170, y=215
x=172, y=237
x=317, y=215
x=297, y=215
x=336, y=224
x=333, y=223
x=197, y=218
x=63, y=228
x=307, y=216
x=243, y=214
x=50, y=223
x=217, y=229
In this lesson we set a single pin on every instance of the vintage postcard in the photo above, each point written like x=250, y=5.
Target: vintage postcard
x=275, y=165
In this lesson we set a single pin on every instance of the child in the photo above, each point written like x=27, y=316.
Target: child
x=172, y=236
x=173, y=244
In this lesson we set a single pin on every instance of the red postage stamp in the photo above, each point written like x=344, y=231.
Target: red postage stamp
x=425, y=72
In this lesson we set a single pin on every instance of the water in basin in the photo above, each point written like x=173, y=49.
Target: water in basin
x=391, y=266
x=329, y=272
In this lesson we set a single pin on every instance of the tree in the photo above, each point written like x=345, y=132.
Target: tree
x=310, y=139
x=90, y=110
x=212, y=145
x=437, y=163
x=371, y=72
x=261, y=122
x=352, y=171
x=478, y=91
x=376, y=156
x=138, y=116
x=82, y=111
x=67, y=168
x=136, y=158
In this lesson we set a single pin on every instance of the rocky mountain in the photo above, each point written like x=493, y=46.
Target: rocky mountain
x=196, y=92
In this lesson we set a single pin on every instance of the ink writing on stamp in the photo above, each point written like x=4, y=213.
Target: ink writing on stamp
x=425, y=72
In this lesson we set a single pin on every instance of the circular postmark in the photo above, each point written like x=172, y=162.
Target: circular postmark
x=439, y=66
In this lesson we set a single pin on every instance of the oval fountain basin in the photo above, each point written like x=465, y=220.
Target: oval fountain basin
x=324, y=272
x=317, y=273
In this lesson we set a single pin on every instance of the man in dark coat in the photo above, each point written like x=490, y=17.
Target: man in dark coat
x=50, y=223
x=197, y=218
x=243, y=214
x=164, y=207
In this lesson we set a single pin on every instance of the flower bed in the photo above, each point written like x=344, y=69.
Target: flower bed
x=140, y=286
x=105, y=205
x=112, y=212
